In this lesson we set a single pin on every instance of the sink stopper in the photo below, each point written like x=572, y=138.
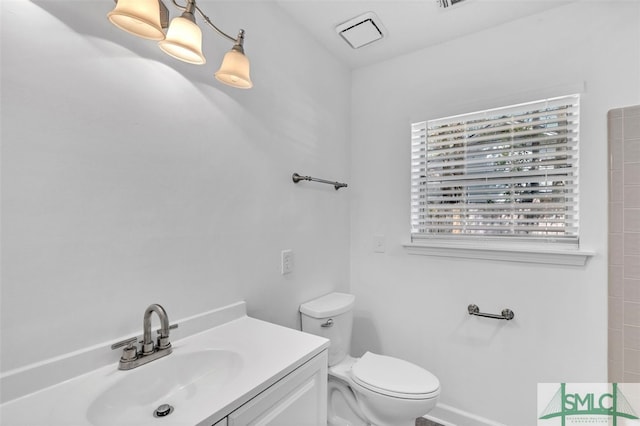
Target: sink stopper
x=163, y=410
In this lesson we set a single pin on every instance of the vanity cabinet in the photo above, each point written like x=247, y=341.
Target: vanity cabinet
x=298, y=399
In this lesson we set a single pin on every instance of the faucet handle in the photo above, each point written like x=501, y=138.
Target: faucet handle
x=163, y=341
x=127, y=342
x=171, y=327
x=130, y=352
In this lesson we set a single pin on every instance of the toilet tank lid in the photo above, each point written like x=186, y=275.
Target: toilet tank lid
x=329, y=305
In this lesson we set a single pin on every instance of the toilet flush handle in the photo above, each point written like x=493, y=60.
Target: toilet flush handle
x=329, y=323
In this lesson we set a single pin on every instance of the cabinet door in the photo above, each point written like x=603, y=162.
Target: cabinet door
x=298, y=399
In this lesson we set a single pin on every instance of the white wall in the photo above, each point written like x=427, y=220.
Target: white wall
x=415, y=307
x=130, y=178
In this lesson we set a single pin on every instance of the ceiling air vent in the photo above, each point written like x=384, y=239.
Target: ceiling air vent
x=362, y=30
x=447, y=3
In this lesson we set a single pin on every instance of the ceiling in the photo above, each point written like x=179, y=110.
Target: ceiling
x=411, y=24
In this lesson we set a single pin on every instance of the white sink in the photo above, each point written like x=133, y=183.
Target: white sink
x=172, y=380
x=226, y=359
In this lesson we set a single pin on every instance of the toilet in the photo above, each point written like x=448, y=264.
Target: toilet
x=379, y=390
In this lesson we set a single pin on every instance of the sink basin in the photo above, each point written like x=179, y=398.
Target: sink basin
x=225, y=360
x=174, y=379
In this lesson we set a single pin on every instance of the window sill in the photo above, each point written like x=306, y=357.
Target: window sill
x=571, y=257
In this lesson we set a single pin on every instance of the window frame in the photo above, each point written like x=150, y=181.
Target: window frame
x=522, y=246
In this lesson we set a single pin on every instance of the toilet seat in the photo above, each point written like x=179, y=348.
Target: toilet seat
x=394, y=377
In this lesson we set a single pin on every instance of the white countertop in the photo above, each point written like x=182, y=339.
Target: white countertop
x=261, y=353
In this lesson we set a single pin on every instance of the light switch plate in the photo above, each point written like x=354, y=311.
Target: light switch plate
x=378, y=244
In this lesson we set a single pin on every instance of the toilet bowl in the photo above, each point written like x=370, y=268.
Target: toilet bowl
x=380, y=390
x=388, y=391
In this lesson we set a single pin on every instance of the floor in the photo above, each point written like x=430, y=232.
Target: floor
x=424, y=422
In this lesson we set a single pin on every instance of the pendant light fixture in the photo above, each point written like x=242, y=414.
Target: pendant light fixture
x=234, y=70
x=183, y=41
x=140, y=17
x=184, y=38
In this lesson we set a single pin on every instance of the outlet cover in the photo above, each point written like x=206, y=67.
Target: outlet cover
x=286, y=262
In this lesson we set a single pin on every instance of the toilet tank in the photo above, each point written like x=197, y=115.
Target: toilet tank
x=330, y=316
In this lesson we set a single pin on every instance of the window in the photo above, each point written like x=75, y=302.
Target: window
x=506, y=174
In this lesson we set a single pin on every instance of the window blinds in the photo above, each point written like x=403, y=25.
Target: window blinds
x=509, y=172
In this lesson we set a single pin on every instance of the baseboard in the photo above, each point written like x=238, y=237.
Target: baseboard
x=450, y=416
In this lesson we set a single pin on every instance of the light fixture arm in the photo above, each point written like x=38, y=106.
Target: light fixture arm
x=191, y=4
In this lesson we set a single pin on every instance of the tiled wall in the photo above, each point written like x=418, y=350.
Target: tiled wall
x=624, y=244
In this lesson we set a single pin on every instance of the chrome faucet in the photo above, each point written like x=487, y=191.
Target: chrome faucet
x=163, y=339
x=131, y=357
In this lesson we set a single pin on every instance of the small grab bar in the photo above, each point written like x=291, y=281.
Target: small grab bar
x=506, y=314
x=337, y=185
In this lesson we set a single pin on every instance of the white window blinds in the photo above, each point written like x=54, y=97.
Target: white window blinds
x=506, y=173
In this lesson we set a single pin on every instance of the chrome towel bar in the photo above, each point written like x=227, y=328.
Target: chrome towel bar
x=506, y=314
x=337, y=185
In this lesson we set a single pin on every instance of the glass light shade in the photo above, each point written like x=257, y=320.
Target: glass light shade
x=184, y=41
x=234, y=70
x=138, y=17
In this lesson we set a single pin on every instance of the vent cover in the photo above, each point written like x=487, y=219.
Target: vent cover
x=447, y=3
x=362, y=30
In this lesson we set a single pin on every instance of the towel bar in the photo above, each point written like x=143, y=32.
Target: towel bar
x=506, y=314
x=337, y=185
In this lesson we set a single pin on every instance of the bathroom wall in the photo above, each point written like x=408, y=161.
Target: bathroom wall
x=624, y=244
x=130, y=178
x=414, y=306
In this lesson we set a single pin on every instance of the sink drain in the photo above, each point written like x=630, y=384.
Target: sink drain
x=163, y=410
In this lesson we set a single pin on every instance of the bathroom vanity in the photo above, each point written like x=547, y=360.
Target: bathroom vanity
x=226, y=369
x=297, y=399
